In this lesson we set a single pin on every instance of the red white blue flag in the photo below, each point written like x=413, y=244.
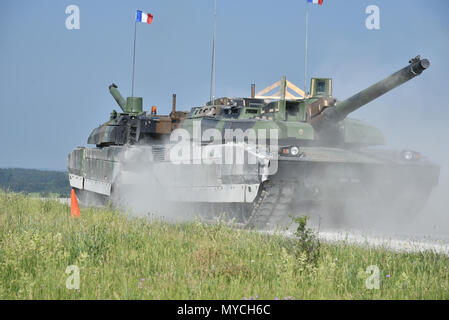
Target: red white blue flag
x=146, y=17
x=320, y=2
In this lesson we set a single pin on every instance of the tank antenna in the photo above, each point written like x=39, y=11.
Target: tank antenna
x=212, y=73
x=134, y=58
x=306, y=49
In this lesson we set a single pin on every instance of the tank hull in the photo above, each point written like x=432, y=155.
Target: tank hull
x=329, y=181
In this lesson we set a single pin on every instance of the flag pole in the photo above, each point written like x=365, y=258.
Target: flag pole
x=306, y=49
x=212, y=73
x=134, y=57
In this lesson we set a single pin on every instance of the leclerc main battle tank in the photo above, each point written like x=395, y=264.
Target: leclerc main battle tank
x=313, y=158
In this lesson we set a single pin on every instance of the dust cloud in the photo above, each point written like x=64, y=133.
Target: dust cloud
x=411, y=214
x=143, y=190
x=433, y=220
x=148, y=183
x=160, y=191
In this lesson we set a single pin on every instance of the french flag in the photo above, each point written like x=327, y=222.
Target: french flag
x=320, y=2
x=146, y=17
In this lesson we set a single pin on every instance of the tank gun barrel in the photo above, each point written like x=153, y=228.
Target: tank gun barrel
x=117, y=96
x=416, y=67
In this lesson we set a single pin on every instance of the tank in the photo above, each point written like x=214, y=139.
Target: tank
x=313, y=159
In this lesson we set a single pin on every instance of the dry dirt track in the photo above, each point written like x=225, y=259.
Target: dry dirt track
x=396, y=243
x=399, y=243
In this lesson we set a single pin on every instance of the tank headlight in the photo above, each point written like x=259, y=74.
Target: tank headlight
x=294, y=151
x=408, y=155
x=411, y=155
x=289, y=151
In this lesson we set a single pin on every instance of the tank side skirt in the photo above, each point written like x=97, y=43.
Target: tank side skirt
x=81, y=183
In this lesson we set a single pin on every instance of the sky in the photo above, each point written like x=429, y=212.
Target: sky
x=54, y=81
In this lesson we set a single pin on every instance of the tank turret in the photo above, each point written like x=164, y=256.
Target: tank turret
x=133, y=124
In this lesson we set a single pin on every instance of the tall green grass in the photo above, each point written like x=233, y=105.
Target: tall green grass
x=134, y=258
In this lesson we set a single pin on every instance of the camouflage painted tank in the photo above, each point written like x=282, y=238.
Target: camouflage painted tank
x=314, y=157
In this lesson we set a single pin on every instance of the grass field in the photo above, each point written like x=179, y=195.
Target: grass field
x=129, y=258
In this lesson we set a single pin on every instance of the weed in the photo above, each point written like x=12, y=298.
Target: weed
x=307, y=245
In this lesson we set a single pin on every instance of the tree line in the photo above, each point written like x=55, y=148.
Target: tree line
x=43, y=182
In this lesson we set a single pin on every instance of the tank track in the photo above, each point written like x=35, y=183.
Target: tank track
x=271, y=205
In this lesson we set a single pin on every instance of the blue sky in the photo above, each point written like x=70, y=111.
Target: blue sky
x=53, y=82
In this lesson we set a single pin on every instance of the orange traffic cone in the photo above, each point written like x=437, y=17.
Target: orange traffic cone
x=74, y=209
